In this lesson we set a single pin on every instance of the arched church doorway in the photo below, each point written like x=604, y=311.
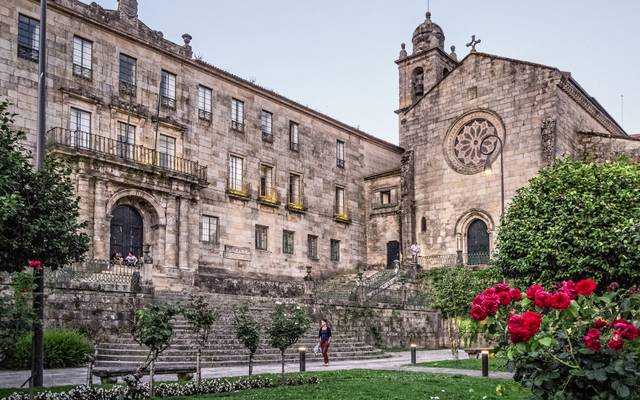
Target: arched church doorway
x=393, y=253
x=126, y=231
x=477, y=243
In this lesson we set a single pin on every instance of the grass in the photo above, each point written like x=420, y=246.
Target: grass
x=371, y=384
x=397, y=385
x=495, y=364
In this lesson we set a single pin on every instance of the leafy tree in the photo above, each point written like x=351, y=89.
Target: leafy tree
x=247, y=331
x=288, y=323
x=38, y=209
x=201, y=318
x=153, y=329
x=451, y=291
x=17, y=314
x=575, y=220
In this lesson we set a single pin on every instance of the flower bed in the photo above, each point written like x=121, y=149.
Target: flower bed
x=567, y=342
x=207, y=386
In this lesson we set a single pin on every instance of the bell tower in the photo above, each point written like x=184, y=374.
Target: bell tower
x=427, y=64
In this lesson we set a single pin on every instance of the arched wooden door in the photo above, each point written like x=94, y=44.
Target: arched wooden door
x=477, y=243
x=126, y=231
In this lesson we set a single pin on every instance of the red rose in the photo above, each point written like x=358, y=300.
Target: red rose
x=35, y=264
x=619, y=324
x=559, y=301
x=478, y=313
x=599, y=323
x=515, y=294
x=501, y=287
x=542, y=299
x=478, y=299
x=533, y=289
x=489, y=292
x=523, y=327
x=490, y=303
x=592, y=339
x=569, y=287
x=504, y=298
x=532, y=321
x=615, y=344
x=629, y=332
x=585, y=287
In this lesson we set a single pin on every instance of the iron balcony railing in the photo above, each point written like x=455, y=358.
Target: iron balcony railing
x=444, y=260
x=89, y=143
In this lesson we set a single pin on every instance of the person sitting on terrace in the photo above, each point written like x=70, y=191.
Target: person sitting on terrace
x=131, y=259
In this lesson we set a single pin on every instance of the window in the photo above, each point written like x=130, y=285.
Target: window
x=423, y=224
x=204, y=103
x=295, y=190
x=287, y=242
x=127, y=75
x=126, y=140
x=261, y=237
x=167, y=150
x=266, y=182
x=168, y=89
x=82, y=57
x=312, y=247
x=236, y=173
x=294, y=139
x=209, y=229
x=80, y=128
x=237, y=115
x=266, y=119
x=28, y=38
x=340, y=208
x=340, y=154
x=385, y=197
x=335, y=250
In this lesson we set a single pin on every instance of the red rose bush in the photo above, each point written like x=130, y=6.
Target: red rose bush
x=566, y=341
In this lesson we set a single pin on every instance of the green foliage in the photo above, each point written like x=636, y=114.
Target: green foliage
x=288, y=323
x=247, y=328
x=17, y=317
x=574, y=220
x=63, y=348
x=201, y=318
x=38, y=210
x=153, y=329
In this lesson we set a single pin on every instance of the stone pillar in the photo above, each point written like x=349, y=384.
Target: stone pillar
x=182, y=227
x=171, y=256
x=194, y=237
x=309, y=287
x=101, y=222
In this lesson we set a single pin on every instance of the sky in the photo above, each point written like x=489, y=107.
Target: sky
x=337, y=56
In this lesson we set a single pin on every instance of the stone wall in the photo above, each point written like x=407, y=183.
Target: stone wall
x=98, y=313
x=383, y=220
x=599, y=147
x=385, y=327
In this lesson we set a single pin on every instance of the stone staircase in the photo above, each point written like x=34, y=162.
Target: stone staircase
x=223, y=348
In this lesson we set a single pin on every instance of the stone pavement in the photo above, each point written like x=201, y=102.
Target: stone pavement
x=396, y=361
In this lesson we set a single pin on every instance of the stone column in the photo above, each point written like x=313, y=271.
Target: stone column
x=101, y=232
x=182, y=227
x=170, y=233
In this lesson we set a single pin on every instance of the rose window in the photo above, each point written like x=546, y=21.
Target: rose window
x=466, y=147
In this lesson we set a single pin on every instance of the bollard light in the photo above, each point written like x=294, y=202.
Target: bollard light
x=485, y=362
x=303, y=358
x=413, y=353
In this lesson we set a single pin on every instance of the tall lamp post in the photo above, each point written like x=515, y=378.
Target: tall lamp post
x=487, y=163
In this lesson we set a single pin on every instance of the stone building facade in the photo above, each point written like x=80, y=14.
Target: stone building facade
x=231, y=179
x=208, y=177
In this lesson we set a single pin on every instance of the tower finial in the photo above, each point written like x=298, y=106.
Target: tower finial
x=473, y=43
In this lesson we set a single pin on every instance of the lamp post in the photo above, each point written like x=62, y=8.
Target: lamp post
x=487, y=163
x=413, y=353
x=303, y=358
x=485, y=362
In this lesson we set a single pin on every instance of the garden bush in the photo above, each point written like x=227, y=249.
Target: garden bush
x=63, y=348
x=574, y=220
x=567, y=343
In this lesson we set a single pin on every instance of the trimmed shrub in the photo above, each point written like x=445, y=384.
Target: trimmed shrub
x=63, y=348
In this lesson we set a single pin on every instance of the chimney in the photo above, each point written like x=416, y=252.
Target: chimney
x=128, y=10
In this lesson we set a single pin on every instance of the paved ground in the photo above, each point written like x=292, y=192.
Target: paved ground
x=396, y=361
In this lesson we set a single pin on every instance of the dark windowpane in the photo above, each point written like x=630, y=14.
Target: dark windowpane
x=28, y=38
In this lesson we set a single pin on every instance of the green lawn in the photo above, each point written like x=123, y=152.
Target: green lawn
x=374, y=385
x=495, y=364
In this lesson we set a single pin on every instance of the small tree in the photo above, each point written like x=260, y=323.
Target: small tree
x=451, y=291
x=17, y=314
x=247, y=331
x=201, y=318
x=288, y=323
x=152, y=328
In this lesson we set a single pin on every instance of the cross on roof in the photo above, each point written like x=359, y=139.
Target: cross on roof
x=473, y=43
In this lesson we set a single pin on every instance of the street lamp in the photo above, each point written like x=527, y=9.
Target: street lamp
x=487, y=162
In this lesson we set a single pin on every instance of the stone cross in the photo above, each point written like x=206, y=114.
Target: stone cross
x=473, y=43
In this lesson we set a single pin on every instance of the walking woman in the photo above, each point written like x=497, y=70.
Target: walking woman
x=325, y=340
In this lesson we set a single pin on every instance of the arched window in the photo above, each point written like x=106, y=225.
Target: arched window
x=423, y=225
x=477, y=243
x=417, y=82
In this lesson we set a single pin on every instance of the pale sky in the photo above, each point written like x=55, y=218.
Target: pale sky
x=337, y=56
